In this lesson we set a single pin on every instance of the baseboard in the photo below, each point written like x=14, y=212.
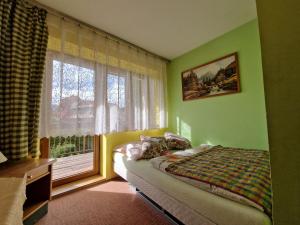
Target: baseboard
x=76, y=185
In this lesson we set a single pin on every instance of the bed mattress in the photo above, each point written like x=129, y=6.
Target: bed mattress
x=212, y=208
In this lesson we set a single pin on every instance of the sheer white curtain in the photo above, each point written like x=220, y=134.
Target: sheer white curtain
x=94, y=85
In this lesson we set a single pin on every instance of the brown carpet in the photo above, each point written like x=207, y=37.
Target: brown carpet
x=111, y=203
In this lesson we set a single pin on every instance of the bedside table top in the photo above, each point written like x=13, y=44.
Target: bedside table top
x=20, y=168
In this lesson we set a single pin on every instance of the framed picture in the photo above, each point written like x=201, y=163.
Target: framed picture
x=218, y=77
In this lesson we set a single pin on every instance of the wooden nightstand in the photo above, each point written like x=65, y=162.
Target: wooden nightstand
x=38, y=174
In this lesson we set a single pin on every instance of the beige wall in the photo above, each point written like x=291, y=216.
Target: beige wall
x=279, y=22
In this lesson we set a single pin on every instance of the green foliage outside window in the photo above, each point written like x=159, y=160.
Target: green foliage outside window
x=67, y=146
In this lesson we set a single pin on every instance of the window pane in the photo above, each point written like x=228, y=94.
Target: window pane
x=74, y=155
x=116, y=90
x=112, y=89
x=73, y=94
x=122, y=92
x=86, y=84
x=70, y=80
x=86, y=98
x=56, y=83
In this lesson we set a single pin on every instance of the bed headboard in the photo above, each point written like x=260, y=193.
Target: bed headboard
x=109, y=141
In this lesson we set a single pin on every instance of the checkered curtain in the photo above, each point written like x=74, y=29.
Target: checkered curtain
x=23, y=43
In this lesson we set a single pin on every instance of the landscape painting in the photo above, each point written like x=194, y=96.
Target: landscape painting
x=218, y=77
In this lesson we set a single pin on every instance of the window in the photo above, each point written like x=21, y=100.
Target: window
x=93, y=85
x=72, y=109
x=83, y=99
x=105, y=85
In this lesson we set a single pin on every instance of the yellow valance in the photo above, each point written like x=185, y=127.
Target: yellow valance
x=75, y=40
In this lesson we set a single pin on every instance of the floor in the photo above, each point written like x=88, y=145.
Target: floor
x=111, y=203
x=71, y=165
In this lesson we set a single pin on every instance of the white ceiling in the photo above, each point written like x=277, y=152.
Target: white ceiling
x=168, y=28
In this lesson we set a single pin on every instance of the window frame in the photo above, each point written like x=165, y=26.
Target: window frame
x=45, y=142
x=45, y=153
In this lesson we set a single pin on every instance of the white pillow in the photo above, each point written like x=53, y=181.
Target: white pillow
x=192, y=151
x=123, y=148
x=205, y=146
x=134, y=153
x=183, y=153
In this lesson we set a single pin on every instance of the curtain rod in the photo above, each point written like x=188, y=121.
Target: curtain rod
x=94, y=29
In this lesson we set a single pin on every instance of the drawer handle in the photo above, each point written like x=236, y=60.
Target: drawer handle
x=30, y=176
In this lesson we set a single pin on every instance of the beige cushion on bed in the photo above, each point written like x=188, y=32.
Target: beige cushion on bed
x=151, y=149
x=160, y=140
x=175, y=141
x=134, y=153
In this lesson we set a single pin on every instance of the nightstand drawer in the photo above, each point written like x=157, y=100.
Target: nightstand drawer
x=32, y=175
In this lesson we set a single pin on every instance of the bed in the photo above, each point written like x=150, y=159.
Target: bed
x=12, y=198
x=190, y=205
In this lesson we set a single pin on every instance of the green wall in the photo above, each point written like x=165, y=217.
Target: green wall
x=279, y=23
x=237, y=120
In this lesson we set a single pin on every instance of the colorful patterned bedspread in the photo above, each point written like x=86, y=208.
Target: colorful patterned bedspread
x=242, y=172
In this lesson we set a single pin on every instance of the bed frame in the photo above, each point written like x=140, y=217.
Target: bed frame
x=164, y=202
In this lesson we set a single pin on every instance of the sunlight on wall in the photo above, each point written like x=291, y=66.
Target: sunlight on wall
x=186, y=130
x=209, y=143
x=178, y=125
x=183, y=129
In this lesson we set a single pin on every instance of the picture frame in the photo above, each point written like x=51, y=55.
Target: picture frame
x=217, y=77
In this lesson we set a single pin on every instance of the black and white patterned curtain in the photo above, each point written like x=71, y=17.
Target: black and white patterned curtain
x=23, y=44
